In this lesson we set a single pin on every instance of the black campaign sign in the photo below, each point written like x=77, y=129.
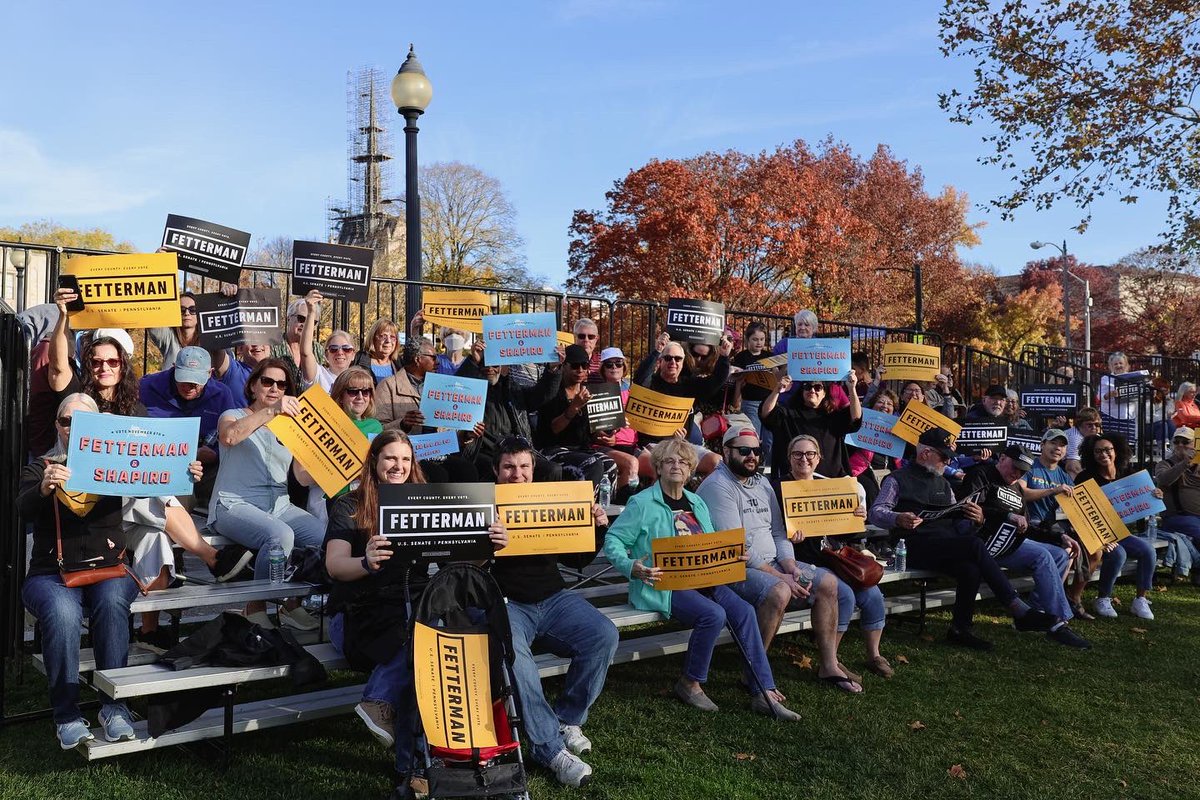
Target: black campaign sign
x=437, y=521
x=604, y=409
x=206, y=248
x=695, y=321
x=1050, y=400
x=976, y=436
x=249, y=317
x=334, y=270
x=1026, y=438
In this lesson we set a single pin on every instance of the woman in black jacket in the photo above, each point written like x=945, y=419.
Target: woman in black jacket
x=812, y=412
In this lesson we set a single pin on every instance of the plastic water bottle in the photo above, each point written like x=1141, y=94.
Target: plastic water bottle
x=1152, y=529
x=605, y=495
x=805, y=574
x=901, y=564
x=278, y=560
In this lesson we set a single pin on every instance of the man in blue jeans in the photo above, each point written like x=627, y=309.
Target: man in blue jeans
x=540, y=609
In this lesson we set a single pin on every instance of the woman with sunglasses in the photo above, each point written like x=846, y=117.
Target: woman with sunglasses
x=170, y=341
x=370, y=621
x=381, y=354
x=339, y=349
x=812, y=411
x=1105, y=459
x=862, y=462
x=620, y=444
x=563, y=434
x=354, y=392
x=250, y=498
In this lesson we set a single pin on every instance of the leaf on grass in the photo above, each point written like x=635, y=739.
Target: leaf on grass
x=957, y=714
x=1124, y=783
x=916, y=725
x=1160, y=588
x=745, y=756
x=1138, y=630
x=926, y=637
x=957, y=771
x=902, y=659
x=804, y=663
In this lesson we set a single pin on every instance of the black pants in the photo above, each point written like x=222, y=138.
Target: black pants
x=964, y=558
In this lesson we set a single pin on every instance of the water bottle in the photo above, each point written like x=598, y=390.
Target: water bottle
x=605, y=496
x=1152, y=529
x=278, y=560
x=901, y=553
x=805, y=574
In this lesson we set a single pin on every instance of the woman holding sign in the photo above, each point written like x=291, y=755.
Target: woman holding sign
x=812, y=411
x=354, y=392
x=667, y=509
x=1105, y=459
x=250, y=501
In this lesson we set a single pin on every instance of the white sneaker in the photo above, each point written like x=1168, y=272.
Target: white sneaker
x=574, y=739
x=1141, y=608
x=297, y=619
x=569, y=770
x=1104, y=607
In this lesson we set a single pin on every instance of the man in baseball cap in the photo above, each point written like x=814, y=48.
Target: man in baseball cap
x=991, y=407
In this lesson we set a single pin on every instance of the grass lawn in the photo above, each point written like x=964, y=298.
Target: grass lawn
x=1032, y=719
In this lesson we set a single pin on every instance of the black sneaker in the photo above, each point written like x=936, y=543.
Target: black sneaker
x=1064, y=635
x=1034, y=620
x=967, y=639
x=160, y=639
x=233, y=563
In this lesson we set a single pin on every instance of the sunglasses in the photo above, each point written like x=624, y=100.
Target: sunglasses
x=188, y=311
x=267, y=383
x=111, y=363
x=671, y=358
x=812, y=387
x=574, y=365
x=64, y=422
x=746, y=451
x=299, y=317
x=587, y=336
x=335, y=348
x=360, y=391
x=613, y=364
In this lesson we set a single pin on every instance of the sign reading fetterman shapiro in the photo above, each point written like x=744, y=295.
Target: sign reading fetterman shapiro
x=334, y=270
x=695, y=321
x=249, y=317
x=437, y=521
x=206, y=248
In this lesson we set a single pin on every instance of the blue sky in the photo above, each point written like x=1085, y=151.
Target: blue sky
x=115, y=114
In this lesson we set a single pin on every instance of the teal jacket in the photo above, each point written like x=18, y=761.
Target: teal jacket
x=647, y=517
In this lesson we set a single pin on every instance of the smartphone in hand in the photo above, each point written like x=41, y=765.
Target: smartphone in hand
x=71, y=282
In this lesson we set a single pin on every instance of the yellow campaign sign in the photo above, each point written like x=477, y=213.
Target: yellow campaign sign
x=918, y=418
x=905, y=361
x=544, y=518
x=700, y=561
x=654, y=413
x=821, y=507
x=323, y=440
x=766, y=378
x=140, y=290
x=565, y=338
x=454, y=688
x=1092, y=515
x=463, y=311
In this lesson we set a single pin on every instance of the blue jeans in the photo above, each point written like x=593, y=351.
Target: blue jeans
x=1047, y=563
x=870, y=600
x=387, y=681
x=1188, y=524
x=60, y=614
x=1130, y=547
x=1181, y=553
x=256, y=529
x=765, y=435
x=707, y=611
x=571, y=627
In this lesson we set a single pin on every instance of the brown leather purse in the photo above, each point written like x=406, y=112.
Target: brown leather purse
x=854, y=567
x=78, y=576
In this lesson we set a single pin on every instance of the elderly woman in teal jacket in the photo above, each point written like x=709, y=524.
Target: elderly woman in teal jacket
x=667, y=509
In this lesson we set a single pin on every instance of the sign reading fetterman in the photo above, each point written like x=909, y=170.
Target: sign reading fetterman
x=695, y=321
x=140, y=290
x=206, y=248
x=334, y=270
x=437, y=521
x=249, y=317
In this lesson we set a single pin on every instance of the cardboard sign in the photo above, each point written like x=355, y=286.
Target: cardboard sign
x=821, y=507
x=604, y=409
x=449, y=401
x=905, y=361
x=565, y=338
x=131, y=456
x=462, y=311
x=654, y=413
x=334, y=270
x=206, y=248
x=544, y=518
x=520, y=338
x=249, y=317
x=1133, y=497
x=324, y=440
x=916, y=418
x=762, y=372
x=1026, y=438
x=818, y=359
x=976, y=436
x=433, y=445
x=453, y=680
x=437, y=521
x=1049, y=400
x=140, y=290
x=876, y=435
x=1126, y=427
x=695, y=321
x=1092, y=516
x=700, y=561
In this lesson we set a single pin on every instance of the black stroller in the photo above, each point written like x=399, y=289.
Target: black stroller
x=462, y=608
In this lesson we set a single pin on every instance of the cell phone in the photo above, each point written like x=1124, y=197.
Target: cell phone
x=71, y=282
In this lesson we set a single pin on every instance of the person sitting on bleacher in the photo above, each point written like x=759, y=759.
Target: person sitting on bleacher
x=738, y=497
x=541, y=609
x=918, y=504
x=1087, y=423
x=991, y=406
x=813, y=411
x=370, y=620
x=339, y=349
x=667, y=509
x=250, y=501
x=1179, y=479
x=563, y=433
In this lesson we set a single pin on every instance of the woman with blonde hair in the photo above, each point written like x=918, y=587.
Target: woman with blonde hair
x=381, y=350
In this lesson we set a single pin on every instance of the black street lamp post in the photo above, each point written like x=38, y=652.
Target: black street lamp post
x=411, y=92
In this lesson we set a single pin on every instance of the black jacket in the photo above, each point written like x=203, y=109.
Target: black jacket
x=506, y=410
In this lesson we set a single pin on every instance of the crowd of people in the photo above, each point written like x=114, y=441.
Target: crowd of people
x=250, y=489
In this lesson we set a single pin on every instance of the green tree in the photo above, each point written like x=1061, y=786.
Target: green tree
x=49, y=232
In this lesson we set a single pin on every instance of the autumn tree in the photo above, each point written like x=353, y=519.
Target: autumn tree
x=1086, y=98
x=49, y=232
x=1028, y=317
x=1159, y=287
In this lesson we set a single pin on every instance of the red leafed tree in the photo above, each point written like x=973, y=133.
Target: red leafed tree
x=1110, y=331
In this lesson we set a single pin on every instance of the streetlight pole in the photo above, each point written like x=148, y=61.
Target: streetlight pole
x=1066, y=287
x=19, y=258
x=411, y=92
x=919, y=290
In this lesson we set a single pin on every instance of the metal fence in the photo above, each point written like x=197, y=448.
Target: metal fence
x=14, y=393
x=1094, y=363
x=974, y=370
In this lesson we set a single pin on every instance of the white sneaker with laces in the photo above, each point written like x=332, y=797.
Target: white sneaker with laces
x=1104, y=607
x=574, y=739
x=1141, y=608
x=569, y=769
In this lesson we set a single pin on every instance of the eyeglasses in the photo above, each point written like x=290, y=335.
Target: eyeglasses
x=386, y=337
x=613, y=365
x=745, y=451
x=360, y=391
x=267, y=383
x=675, y=462
x=188, y=311
x=427, y=355
x=344, y=348
x=111, y=363
x=64, y=422
x=812, y=387
x=1102, y=451
x=300, y=317
x=587, y=336
x=672, y=358
x=804, y=455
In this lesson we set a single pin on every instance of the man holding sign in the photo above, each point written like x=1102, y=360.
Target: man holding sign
x=541, y=608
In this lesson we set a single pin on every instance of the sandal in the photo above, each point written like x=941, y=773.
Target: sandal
x=1081, y=613
x=851, y=675
x=880, y=666
x=842, y=683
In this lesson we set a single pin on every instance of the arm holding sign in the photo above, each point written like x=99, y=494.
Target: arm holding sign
x=308, y=356
x=232, y=430
x=60, y=373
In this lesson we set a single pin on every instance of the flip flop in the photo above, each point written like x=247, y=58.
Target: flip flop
x=851, y=675
x=842, y=684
